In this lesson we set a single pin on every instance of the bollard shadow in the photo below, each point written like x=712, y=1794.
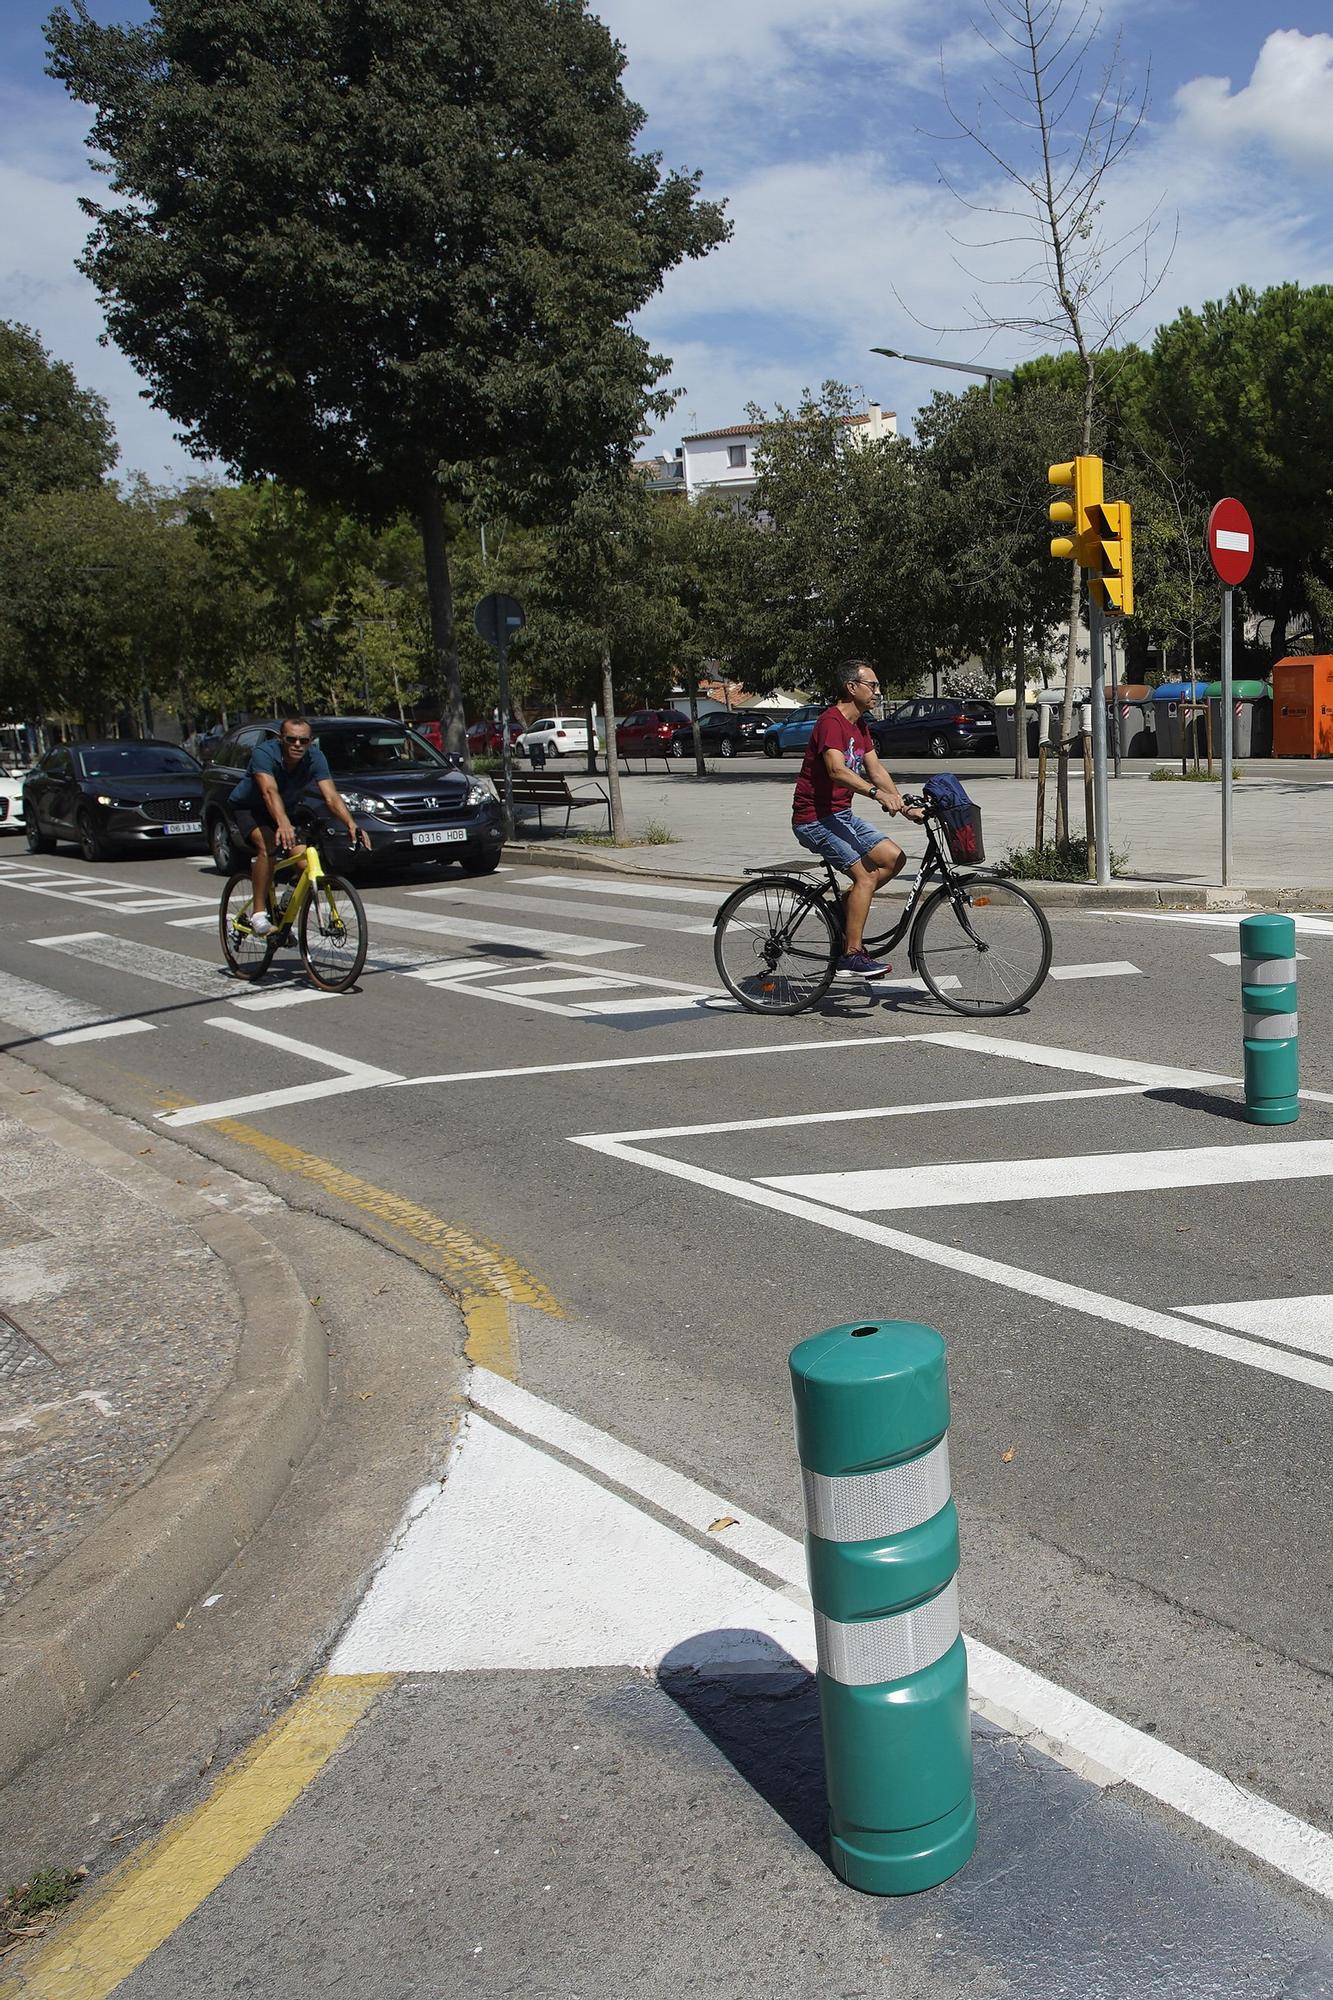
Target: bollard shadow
x=760, y=1708
x=1200, y=1100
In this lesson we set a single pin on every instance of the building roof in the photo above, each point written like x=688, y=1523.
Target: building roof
x=753, y=430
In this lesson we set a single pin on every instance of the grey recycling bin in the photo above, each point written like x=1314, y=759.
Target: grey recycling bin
x=1171, y=721
x=1006, y=732
x=1251, y=718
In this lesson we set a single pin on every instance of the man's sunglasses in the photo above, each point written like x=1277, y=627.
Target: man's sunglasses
x=296, y=741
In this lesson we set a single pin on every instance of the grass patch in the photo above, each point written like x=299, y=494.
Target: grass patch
x=1159, y=775
x=654, y=835
x=30, y=1907
x=1058, y=861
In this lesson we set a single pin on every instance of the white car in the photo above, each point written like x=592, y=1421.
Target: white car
x=558, y=735
x=11, y=800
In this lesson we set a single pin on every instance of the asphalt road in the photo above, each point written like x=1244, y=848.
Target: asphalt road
x=1133, y=1283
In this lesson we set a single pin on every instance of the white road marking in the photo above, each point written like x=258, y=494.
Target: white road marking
x=475, y=1581
x=509, y=899
x=1233, y=957
x=858, y=1114
x=619, y=888
x=137, y=960
x=964, y=1183
x=1310, y=926
x=1153, y=1076
x=1111, y=968
x=208, y=922
x=98, y=890
x=497, y=935
x=352, y=1075
x=54, y=1016
x=1305, y=1323
x=658, y=1003
x=675, y=1056
x=542, y=988
x=269, y=997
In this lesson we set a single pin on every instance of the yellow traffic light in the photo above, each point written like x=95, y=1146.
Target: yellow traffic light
x=1083, y=476
x=1112, y=577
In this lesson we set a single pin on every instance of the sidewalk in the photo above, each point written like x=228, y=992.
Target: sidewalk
x=160, y=1372
x=1170, y=834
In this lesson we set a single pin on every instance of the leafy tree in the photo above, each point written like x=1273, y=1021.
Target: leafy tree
x=54, y=436
x=386, y=252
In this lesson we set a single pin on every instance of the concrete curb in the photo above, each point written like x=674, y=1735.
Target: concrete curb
x=1121, y=894
x=90, y=1620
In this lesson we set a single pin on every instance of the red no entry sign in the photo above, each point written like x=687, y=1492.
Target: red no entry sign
x=1230, y=541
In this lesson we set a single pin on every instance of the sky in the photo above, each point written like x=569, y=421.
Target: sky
x=859, y=208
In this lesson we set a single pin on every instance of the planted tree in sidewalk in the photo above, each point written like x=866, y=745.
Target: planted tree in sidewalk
x=388, y=254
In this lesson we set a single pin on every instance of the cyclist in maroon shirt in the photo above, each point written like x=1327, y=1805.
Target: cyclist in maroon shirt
x=840, y=761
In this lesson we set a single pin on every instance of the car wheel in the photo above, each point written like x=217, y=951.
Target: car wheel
x=480, y=864
x=771, y=749
x=222, y=848
x=554, y=750
x=92, y=846
x=938, y=746
x=38, y=842
x=678, y=746
x=725, y=748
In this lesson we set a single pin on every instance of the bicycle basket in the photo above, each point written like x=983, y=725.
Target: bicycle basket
x=959, y=818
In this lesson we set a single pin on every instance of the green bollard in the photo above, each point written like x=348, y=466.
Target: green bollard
x=1268, y=995
x=872, y=1410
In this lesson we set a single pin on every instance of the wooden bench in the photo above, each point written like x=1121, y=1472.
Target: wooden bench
x=547, y=791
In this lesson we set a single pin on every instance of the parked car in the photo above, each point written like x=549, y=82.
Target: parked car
x=11, y=800
x=484, y=739
x=412, y=801
x=936, y=729
x=654, y=732
x=730, y=732
x=101, y=796
x=793, y=730
x=557, y=735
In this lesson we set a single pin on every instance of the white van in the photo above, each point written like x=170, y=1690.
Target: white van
x=558, y=735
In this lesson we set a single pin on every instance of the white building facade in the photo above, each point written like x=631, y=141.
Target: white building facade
x=722, y=461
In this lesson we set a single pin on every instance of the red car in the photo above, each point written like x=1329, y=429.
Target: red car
x=483, y=738
x=653, y=732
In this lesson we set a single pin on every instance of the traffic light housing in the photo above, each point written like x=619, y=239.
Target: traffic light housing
x=1111, y=577
x=1083, y=476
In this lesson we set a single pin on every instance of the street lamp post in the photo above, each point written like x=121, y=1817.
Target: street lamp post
x=992, y=376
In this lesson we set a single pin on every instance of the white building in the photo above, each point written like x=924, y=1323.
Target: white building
x=723, y=461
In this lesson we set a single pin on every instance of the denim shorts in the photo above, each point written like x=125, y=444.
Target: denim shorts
x=839, y=837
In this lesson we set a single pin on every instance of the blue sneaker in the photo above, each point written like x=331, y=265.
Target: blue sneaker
x=860, y=965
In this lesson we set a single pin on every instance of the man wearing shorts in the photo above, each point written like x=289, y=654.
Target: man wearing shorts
x=279, y=772
x=840, y=763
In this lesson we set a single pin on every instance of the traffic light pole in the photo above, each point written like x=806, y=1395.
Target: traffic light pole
x=1101, y=808
x=1228, y=735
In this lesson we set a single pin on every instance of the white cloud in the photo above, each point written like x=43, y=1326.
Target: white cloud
x=1287, y=105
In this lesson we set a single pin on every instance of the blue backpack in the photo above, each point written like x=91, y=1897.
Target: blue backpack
x=960, y=817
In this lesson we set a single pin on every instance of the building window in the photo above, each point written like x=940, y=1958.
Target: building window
x=735, y=455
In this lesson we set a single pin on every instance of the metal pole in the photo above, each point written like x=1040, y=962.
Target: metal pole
x=506, y=748
x=1101, y=794
x=1228, y=735
x=1117, y=654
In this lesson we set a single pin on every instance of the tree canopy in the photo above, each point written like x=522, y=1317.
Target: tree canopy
x=54, y=436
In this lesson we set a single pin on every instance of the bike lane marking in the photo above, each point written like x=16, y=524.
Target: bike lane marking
x=352, y=1075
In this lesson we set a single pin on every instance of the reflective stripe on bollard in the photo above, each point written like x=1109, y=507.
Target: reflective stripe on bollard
x=1268, y=998
x=872, y=1410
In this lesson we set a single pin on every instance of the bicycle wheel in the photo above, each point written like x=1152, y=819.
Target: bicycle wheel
x=995, y=963
x=333, y=935
x=774, y=946
x=247, y=955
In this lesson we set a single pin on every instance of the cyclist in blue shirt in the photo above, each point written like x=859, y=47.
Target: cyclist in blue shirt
x=280, y=770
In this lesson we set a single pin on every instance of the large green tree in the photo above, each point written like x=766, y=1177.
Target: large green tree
x=54, y=436
x=384, y=250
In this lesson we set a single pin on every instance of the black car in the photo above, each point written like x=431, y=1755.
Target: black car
x=936, y=729
x=730, y=732
x=413, y=801
x=102, y=796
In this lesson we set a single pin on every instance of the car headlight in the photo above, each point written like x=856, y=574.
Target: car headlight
x=479, y=793
x=364, y=802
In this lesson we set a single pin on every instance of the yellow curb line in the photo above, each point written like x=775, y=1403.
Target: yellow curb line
x=157, y=1888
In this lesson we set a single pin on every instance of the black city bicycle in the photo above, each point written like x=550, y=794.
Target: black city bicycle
x=980, y=944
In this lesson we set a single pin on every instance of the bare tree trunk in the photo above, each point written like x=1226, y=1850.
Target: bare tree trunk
x=612, y=765
x=448, y=685
x=590, y=719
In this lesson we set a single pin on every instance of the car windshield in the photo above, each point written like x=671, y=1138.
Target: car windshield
x=137, y=760
x=361, y=751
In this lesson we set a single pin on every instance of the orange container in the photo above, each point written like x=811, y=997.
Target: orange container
x=1303, y=706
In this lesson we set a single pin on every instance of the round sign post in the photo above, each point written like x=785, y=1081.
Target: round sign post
x=1231, y=552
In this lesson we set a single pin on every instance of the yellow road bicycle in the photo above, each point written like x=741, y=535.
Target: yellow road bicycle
x=322, y=913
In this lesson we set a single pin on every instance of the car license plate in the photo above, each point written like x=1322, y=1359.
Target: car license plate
x=183, y=826
x=435, y=839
